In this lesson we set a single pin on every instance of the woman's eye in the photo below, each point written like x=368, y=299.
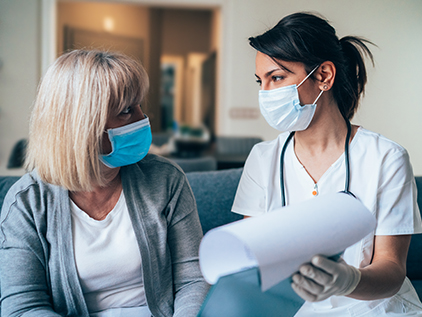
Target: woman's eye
x=127, y=110
x=259, y=82
x=277, y=78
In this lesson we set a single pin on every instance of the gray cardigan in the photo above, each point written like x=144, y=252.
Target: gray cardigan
x=37, y=265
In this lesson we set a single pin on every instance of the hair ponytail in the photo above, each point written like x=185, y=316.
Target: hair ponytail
x=311, y=40
x=354, y=50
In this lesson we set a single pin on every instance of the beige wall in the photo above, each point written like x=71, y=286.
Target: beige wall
x=392, y=105
x=175, y=35
x=19, y=72
x=181, y=26
x=129, y=20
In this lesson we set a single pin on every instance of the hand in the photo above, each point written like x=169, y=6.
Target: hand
x=323, y=278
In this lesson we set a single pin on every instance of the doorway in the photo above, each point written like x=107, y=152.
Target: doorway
x=177, y=47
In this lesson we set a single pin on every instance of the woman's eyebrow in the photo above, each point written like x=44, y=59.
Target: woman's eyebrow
x=267, y=74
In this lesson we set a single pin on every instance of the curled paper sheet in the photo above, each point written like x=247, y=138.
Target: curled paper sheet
x=279, y=242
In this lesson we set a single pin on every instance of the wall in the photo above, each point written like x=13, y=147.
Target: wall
x=176, y=30
x=181, y=26
x=19, y=72
x=391, y=106
x=129, y=20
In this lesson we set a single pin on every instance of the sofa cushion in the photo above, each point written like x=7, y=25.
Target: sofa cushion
x=214, y=193
x=5, y=184
x=414, y=258
x=417, y=284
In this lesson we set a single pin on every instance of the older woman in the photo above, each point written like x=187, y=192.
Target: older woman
x=97, y=227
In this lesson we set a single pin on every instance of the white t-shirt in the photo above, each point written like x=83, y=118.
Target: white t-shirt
x=108, y=262
x=380, y=176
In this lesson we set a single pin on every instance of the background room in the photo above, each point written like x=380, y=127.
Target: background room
x=203, y=90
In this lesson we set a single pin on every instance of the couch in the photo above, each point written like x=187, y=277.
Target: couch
x=214, y=193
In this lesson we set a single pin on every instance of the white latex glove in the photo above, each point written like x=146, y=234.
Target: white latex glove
x=323, y=278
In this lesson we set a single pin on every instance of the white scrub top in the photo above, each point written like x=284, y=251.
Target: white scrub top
x=381, y=177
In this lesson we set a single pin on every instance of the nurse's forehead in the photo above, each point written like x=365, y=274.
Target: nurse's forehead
x=265, y=65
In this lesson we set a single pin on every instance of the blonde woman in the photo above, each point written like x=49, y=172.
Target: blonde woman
x=97, y=227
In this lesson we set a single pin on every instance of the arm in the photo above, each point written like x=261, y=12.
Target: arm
x=24, y=286
x=397, y=215
x=382, y=278
x=385, y=275
x=250, y=198
x=184, y=237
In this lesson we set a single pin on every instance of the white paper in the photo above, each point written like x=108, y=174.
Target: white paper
x=279, y=242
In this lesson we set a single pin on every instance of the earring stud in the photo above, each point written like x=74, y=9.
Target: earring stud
x=325, y=87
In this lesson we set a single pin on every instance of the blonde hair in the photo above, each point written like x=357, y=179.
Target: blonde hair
x=76, y=96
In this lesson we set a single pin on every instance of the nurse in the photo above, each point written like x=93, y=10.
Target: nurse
x=311, y=83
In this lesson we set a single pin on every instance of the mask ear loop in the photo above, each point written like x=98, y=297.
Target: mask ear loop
x=312, y=71
x=318, y=97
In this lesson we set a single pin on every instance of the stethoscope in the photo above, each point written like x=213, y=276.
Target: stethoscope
x=346, y=160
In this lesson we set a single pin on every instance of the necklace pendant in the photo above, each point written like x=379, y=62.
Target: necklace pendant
x=315, y=191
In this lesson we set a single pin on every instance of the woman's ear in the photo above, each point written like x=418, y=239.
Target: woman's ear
x=326, y=74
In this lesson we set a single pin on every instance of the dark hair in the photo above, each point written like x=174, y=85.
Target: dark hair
x=309, y=39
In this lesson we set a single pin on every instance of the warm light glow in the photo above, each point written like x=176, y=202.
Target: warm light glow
x=108, y=24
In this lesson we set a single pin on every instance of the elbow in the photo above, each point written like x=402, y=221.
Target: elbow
x=397, y=279
x=397, y=284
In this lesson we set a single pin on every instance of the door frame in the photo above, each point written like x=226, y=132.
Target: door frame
x=49, y=38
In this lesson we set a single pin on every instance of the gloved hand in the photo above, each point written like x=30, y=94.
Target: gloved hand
x=323, y=278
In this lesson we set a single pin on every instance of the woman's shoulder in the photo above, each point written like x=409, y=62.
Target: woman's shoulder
x=29, y=192
x=375, y=152
x=28, y=182
x=377, y=143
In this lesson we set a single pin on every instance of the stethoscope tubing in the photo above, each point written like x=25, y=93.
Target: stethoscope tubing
x=346, y=160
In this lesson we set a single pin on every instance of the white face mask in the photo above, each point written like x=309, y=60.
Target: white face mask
x=282, y=110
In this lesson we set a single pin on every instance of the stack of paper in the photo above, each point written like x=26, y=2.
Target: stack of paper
x=253, y=259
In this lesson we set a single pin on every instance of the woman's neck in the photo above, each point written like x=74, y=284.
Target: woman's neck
x=101, y=200
x=322, y=134
x=322, y=143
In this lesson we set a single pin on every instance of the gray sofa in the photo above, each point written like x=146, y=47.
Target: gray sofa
x=214, y=192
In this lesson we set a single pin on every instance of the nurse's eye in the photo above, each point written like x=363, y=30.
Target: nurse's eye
x=277, y=78
x=259, y=82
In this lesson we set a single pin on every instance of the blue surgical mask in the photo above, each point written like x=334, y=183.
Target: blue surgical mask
x=130, y=144
x=282, y=110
